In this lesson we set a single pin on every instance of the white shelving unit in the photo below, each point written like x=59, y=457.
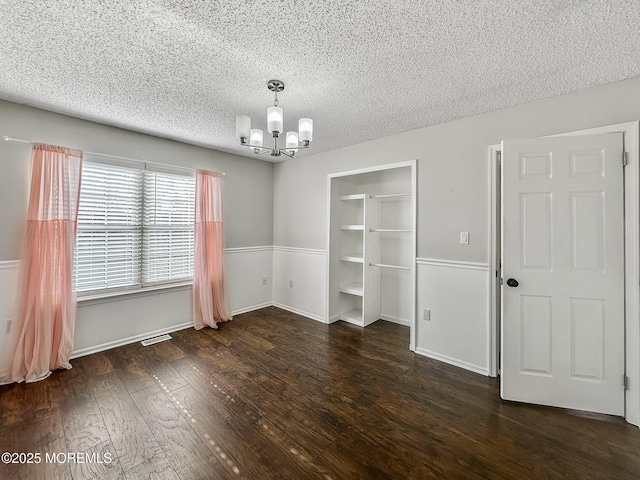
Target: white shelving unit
x=352, y=316
x=394, y=230
x=371, y=241
x=355, y=288
x=390, y=195
x=357, y=196
x=351, y=257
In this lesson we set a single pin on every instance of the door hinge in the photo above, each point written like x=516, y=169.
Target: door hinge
x=625, y=159
x=625, y=382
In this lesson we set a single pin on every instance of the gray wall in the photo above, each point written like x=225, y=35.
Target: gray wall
x=248, y=184
x=248, y=209
x=452, y=168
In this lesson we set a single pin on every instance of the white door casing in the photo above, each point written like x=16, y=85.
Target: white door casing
x=563, y=241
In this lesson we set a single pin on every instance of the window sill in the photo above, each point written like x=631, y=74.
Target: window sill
x=118, y=295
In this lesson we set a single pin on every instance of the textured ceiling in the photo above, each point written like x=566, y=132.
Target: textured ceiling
x=183, y=69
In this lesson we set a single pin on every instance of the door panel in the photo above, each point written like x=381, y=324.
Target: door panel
x=535, y=334
x=587, y=231
x=587, y=338
x=536, y=231
x=563, y=234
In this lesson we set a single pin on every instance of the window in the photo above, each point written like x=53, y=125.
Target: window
x=135, y=226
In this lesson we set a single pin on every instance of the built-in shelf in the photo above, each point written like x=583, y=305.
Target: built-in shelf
x=352, y=316
x=352, y=227
x=352, y=257
x=384, y=265
x=353, y=289
x=365, y=261
x=355, y=196
x=391, y=195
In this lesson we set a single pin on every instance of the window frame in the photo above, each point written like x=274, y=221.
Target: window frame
x=141, y=288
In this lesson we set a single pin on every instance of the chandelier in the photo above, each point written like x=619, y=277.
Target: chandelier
x=253, y=137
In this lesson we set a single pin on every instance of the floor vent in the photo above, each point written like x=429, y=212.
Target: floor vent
x=151, y=341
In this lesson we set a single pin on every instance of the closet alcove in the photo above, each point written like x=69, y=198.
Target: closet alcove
x=372, y=245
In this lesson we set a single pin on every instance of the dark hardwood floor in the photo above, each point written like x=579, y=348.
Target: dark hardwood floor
x=274, y=395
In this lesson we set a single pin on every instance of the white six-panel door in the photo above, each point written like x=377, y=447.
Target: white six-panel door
x=563, y=255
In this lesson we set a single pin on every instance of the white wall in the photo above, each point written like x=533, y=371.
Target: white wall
x=248, y=210
x=452, y=195
x=306, y=269
x=455, y=293
x=245, y=269
x=8, y=284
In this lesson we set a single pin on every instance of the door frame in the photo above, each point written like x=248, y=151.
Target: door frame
x=631, y=131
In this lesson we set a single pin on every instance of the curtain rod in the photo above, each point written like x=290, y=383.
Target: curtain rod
x=11, y=139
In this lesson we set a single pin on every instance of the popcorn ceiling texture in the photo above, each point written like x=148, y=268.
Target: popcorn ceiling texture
x=183, y=69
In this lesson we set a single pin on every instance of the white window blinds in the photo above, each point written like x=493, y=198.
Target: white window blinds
x=135, y=227
x=109, y=227
x=168, y=227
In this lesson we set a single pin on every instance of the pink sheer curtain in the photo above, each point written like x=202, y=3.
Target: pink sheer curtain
x=210, y=299
x=42, y=330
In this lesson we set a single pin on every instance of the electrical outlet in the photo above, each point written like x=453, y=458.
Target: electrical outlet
x=426, y=314
x=8, y=325
x=264, y=280
x=290, y=283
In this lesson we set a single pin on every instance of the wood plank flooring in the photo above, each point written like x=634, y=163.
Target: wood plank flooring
x=272, y=395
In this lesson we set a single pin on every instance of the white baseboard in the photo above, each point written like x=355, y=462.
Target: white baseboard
x=136, y=338
x=126, y=341
x=9, y=264
x=312, y=316
x=251, y=308
x=453, y=361
x=400, y=321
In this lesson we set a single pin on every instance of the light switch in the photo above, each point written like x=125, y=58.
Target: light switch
x=464, y=238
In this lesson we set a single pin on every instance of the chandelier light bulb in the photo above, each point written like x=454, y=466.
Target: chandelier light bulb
x=243, y=126
x=305, y=128
x=292, y=142
x=256, y=139
x=274, y=120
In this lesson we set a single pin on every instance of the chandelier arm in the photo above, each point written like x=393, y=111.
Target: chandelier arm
x=297, y=148
x=253, y=146
x=274, y=149
x=283, y=152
